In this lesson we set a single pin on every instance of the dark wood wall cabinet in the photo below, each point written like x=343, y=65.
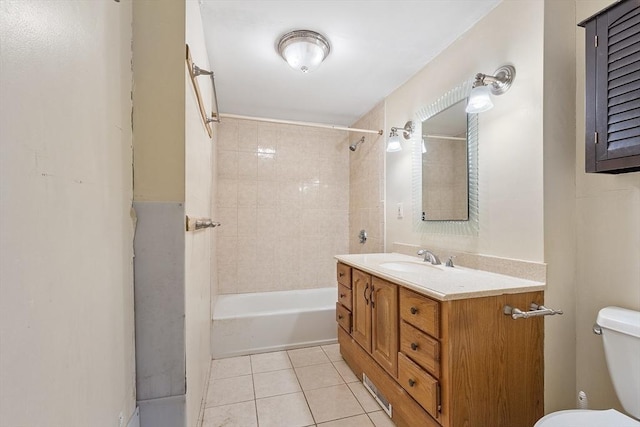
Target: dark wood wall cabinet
x=613, y=89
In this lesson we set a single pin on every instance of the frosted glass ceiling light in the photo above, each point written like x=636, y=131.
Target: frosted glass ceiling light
x=393, y=143
x=303, y=50
x=499, y=83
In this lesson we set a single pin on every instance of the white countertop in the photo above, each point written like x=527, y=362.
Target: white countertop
x=440, y=282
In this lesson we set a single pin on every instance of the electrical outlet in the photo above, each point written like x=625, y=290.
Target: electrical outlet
x=400, y=211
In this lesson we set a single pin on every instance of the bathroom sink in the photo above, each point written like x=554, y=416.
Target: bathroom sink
x=409, y=266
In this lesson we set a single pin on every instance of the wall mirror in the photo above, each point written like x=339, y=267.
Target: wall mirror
x=445, y=166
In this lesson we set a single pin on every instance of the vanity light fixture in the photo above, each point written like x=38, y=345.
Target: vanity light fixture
x=393, y=143
x=303, y=50
x=484, y=85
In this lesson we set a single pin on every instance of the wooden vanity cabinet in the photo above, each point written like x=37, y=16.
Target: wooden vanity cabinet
x=375, y=318
x=344, y=304
x=361, y=291
x=458, y=363
x=384, y=324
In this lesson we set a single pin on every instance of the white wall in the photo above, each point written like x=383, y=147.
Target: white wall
x=559, y=202
x=199, y=157
x=510, y=135
x=66, y=280
x=608, y=243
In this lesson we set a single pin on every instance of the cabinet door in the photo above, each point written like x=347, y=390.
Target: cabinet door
x=361, y=313
x=384, y=328
x=613, y=89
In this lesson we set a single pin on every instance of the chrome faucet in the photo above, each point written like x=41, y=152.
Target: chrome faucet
x=429, y=256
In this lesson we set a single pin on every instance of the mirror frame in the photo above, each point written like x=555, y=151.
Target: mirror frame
x=471, y=226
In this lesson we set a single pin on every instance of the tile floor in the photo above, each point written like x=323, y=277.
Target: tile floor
x=296, y=388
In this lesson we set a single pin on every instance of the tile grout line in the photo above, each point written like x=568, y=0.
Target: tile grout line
x=255, y=399
x=301, y=389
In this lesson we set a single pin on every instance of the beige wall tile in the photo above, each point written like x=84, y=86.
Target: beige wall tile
x=283, y=193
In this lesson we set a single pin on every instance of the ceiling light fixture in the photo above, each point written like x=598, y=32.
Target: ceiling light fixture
x=303, y=50
x=484, y=85
x=393, y=143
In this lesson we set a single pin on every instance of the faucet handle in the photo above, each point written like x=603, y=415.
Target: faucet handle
x=449, y=262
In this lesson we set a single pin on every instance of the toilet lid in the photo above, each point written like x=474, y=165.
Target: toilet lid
x=587, y=418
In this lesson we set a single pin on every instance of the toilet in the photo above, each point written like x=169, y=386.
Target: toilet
x=621, y=339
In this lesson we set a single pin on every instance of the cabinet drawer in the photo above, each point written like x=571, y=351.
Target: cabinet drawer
x=419, y=384
x=344, y=296
x=344, y=275
x=343, y=317
x=420, y=311
x=421, y=348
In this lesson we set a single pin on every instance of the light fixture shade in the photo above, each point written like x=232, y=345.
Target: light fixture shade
x=303, y=50
x=479, y=100
x=393, y=144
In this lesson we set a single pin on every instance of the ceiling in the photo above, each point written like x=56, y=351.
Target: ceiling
x=376, y=46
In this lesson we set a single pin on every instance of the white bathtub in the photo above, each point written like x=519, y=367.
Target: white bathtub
x=272, y=321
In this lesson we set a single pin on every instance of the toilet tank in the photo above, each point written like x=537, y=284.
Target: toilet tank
x=621, y=340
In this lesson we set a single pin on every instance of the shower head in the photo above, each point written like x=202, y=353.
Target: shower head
x=353, y=146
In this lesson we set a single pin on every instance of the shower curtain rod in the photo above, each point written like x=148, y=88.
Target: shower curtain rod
x=289, y=122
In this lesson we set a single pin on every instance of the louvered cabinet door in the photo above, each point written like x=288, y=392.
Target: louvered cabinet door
x=613, y=89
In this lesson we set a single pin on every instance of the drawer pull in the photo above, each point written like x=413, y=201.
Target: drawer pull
x=414, y=346
x=414, y=310
x=411, y=382
x=342, y=295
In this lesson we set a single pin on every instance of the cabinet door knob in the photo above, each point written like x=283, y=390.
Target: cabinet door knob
x=411, y=383
x=342, y=295
x=414, y=346
x=340, y=316
x=340, y=274
x=414, y=310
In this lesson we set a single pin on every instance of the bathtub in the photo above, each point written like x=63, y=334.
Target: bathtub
x=271, y=321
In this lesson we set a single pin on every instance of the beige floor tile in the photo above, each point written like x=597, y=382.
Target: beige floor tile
x=288, y=410
x=267, y=362
x=275, y=383
x=237, y=415
x=345, y=372
x=308, y=356
x=333, y=352
x=381, y=419
x=318, y=376
x=357, y=421
x=224, y=391
x=365, y=399
x=332, y=403
x=231, y=367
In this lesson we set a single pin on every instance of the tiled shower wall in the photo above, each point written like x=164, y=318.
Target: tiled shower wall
x=283, y=201
x=366, y=196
